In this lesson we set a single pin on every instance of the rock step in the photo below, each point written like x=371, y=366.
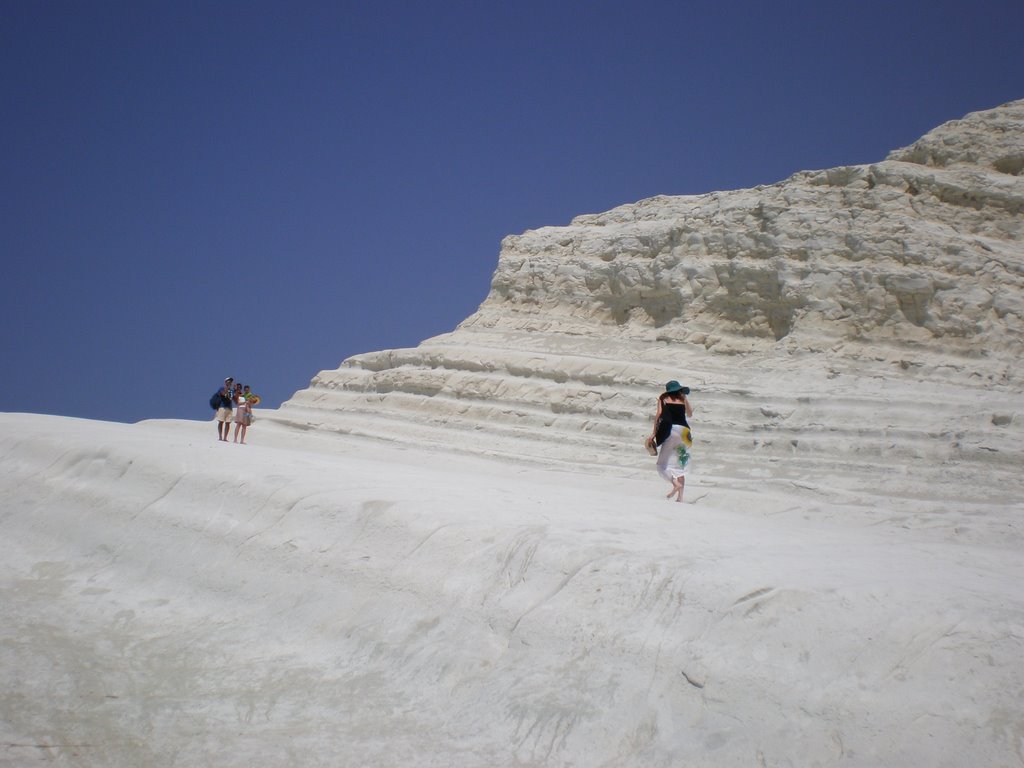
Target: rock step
x=862, y=467
x=446, y=385
x=531, y=429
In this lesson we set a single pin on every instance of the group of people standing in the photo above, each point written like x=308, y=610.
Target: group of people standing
x=671, y=440
x=234, y=403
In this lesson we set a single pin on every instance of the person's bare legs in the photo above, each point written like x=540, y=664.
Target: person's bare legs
x=238, y=426
x=677, y=488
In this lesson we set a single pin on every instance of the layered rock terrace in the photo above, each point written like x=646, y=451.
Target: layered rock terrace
x=868, y=316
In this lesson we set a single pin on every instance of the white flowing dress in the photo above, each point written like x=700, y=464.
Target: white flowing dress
x=675, y=456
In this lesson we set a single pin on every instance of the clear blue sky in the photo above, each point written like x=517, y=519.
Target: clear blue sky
x=192, y=190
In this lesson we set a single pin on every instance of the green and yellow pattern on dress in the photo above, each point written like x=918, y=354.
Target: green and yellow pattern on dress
x=684, y=447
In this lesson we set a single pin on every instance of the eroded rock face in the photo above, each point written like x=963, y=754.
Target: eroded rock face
x=869, y=314
x=922, y=247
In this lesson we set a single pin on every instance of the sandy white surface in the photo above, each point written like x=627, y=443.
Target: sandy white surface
x=168, y=600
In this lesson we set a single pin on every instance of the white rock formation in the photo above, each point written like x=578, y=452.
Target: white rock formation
x=870, y=314
x=844, y=588
x=315, y=600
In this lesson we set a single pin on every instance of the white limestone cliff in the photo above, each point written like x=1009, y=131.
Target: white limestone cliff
x=871, y=314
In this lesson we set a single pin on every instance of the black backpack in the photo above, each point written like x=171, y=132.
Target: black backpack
x=215, y=400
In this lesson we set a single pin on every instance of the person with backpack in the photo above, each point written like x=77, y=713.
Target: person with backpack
x=221, y=402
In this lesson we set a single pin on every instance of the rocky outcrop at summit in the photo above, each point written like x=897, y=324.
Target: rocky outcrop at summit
x=923, y=247
x=871, y=314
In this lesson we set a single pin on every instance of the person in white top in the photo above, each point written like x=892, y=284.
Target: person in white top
x=242, y=411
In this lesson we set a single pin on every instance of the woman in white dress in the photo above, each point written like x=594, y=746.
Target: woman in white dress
x=671, y=433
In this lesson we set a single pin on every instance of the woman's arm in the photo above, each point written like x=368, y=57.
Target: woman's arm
x=657, y=418
x=689, y=408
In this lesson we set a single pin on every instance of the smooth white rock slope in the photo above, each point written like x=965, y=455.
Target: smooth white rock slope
x=459, y=555
x=169, y=600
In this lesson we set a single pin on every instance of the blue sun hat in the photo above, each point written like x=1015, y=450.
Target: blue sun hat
x=675, y=386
